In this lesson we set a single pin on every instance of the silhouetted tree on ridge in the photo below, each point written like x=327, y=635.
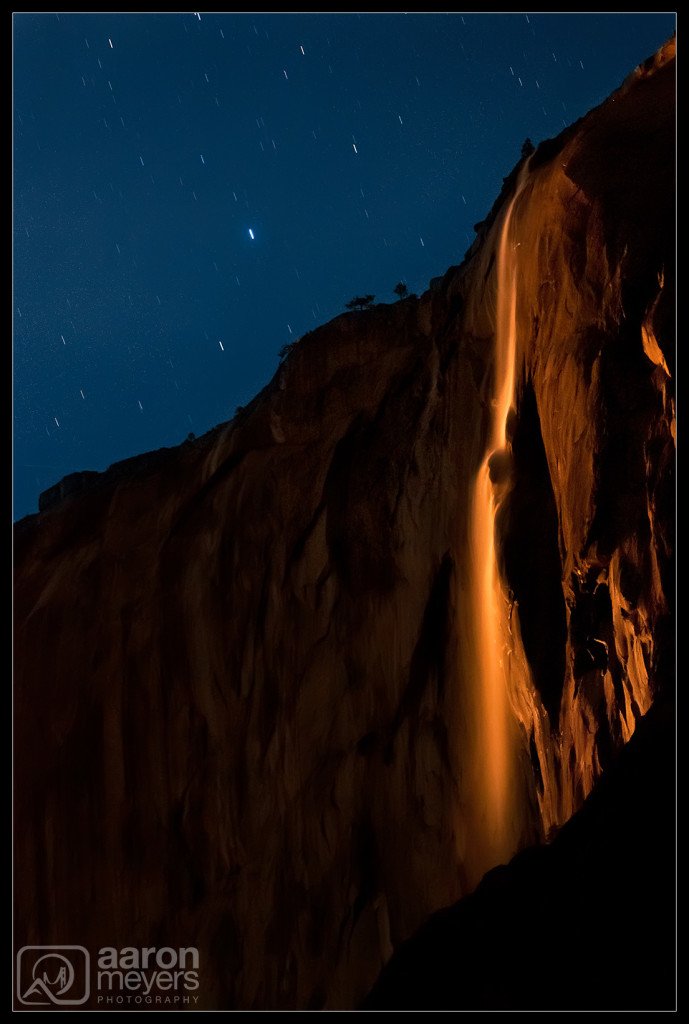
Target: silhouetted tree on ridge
x=360, y=302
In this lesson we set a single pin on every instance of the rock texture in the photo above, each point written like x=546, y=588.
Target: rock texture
x=565, y=926
x=240, y=664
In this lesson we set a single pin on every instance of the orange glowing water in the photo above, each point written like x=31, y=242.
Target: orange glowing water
x=492, y=742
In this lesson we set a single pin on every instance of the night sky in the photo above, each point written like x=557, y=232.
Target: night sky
x=192, y=192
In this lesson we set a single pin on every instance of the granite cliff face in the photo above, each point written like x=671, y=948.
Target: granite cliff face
x=566, y=925
x=251, y=702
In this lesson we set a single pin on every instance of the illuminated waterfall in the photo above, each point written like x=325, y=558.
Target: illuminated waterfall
x=492, y=730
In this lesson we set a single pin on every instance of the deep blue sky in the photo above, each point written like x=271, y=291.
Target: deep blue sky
x=358, y=149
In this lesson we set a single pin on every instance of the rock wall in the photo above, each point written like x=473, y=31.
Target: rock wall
x=559, y=926
x=239, y=672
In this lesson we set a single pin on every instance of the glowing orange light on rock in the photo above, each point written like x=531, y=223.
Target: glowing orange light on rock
x=493, y=757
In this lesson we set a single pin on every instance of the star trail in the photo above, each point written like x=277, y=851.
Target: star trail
x=194, y=191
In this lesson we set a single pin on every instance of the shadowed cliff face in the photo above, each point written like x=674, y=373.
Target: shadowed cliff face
x=247, y=696
x=600, y=897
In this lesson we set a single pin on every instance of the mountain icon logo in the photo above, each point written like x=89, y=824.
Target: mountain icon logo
x=53, y=975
